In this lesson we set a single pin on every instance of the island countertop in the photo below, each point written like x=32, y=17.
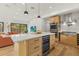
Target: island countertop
x=21, y=37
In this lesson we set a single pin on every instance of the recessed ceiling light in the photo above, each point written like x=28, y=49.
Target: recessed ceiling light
x=50, y=7
x=23, y=3
x=14, y=17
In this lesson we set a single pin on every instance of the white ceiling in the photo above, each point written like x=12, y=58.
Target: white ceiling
x=17, y=9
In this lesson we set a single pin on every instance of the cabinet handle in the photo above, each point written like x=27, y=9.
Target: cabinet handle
x=36, y=47
x=37, y=40
x=37, y=54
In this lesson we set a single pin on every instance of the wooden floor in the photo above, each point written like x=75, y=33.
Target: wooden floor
x=60, y=50
x=64, y=50
x=7, y=51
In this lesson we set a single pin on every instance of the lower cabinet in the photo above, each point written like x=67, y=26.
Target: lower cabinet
x=35, y=46
x=37, y=53
x=21, y=48
x=52, y=41
x=32, y=47
x=69, y=39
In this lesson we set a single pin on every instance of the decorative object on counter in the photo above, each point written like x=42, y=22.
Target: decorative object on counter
x=68, y=20
x=33, y=28
x=39, y=32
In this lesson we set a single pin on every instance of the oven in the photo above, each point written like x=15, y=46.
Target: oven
x=54, y=29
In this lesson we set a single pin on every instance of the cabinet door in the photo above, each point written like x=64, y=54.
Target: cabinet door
x=63, y=39
x=35, y=45
x=55, y=19
x=52, y=41
x=72, y=40
x=21, y=48
x=38, y=53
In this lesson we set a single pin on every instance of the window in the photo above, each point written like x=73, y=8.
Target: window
x=19, y=28
x=1, y=26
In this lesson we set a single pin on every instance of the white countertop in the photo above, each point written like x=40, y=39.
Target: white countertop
x=21, y=37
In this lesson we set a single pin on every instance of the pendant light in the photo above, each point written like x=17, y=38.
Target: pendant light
x=39, y=11
x=26, y=11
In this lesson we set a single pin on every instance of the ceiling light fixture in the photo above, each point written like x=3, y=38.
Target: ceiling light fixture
x=25, y=12
x=39, y=11
x=23, y=3
x=50, y=7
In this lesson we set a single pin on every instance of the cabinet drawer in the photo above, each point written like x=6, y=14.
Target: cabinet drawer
x=33, y=49
x=34, y=41
x=39, y=53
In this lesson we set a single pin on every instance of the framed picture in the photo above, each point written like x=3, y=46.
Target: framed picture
x=1, y=26
x=19, y=28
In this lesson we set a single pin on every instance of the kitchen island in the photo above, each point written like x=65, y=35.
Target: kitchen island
x=29, y=44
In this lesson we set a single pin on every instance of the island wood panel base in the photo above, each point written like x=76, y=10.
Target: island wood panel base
x=21, y=48
x=29, y=47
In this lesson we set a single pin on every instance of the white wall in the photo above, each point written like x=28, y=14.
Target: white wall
x=38, y=22
x=8, y=21
x=46, y=25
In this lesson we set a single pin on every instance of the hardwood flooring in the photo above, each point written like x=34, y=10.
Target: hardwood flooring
x=59, y=50
x=64, y=50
